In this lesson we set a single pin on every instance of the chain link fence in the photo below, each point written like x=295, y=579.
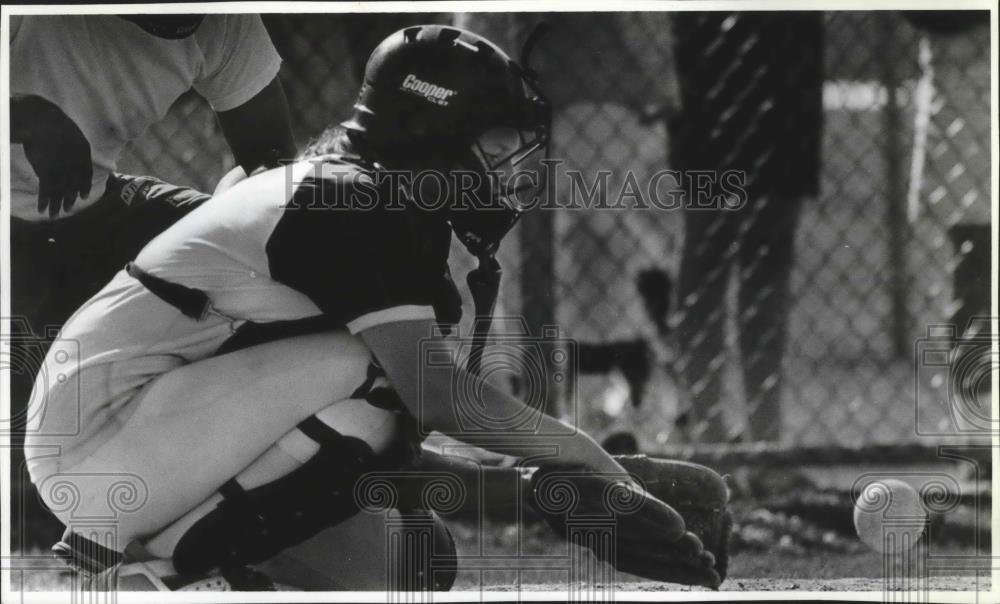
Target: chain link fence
x=863, y=142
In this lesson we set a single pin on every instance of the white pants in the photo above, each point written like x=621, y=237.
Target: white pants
x=175, y=439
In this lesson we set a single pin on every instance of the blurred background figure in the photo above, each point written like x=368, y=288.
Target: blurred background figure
x=751, y=88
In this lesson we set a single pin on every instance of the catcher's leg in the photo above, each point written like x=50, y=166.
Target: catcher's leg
x=199, y=425
x=291, y=494
x=295, y=515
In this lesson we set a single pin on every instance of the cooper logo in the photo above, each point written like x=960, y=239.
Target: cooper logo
x=432, y=92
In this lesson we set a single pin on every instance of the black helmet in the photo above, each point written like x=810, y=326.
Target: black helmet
x=431, y=91
x=439, y=87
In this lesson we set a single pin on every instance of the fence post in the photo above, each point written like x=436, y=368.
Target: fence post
x=535, y=237
x=895, y=187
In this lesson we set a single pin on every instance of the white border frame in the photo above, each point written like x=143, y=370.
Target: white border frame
x=452, y=6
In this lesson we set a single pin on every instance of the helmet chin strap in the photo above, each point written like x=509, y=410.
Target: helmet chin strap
x=484, y=284
x=484, y=280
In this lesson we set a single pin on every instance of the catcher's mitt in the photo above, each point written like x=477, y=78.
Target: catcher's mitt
x=641, y=534
x=698, y=493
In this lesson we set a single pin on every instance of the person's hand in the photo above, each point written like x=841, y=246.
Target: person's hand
x=645, y=536
x=57, y=150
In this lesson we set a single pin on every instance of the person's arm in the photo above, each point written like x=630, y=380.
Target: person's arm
x=56, y=148
x=259, y=131
x=428, y=396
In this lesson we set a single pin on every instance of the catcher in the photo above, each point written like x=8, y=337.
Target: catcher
x=234, y=380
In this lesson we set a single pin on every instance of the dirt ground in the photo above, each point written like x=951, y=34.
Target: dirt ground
x=765, y=573
x=765, y=584
x=820, y=571
x=488, y=557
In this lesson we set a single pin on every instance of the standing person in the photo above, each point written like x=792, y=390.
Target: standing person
x=82, y=88
x=751, y=88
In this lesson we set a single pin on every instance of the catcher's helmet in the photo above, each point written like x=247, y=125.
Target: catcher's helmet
x=435, y=96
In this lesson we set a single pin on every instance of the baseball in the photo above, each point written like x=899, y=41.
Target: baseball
x=889, y=516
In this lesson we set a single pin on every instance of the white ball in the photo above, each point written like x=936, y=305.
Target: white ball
x=889, y=516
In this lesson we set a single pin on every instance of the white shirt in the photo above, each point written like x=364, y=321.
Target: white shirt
x=115, y=80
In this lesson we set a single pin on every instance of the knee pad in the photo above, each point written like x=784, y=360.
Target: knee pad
x=252, y=525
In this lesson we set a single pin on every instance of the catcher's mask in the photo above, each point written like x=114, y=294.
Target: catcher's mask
x=169, y=27
x=440, y=96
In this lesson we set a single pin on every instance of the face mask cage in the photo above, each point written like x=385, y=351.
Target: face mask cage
x=531, y=126
x=513, y=163
x=514, y=160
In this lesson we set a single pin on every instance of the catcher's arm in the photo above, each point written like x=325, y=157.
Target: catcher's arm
x=429, y=397
x=259, y=132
